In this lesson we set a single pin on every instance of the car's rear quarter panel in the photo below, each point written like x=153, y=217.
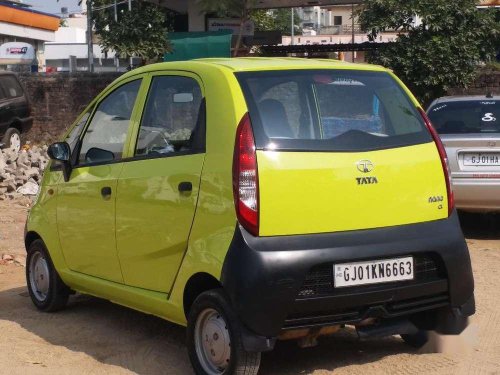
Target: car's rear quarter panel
x=215, y=218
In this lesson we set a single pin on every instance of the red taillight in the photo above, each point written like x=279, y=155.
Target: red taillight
x=245, y=177
x=444, y=159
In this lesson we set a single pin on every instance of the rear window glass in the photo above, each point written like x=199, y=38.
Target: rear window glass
x=481, y=116
x=11, y=87
x=330, y=110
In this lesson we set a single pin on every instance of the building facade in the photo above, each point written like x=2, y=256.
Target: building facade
x=20, y=24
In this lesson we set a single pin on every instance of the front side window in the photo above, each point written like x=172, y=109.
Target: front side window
x=74, y=134
x=470, y=116
x=105, y=136
x=11, y=87
x=172, y=116
x=330, y=110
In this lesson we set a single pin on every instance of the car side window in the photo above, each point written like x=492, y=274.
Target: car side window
x=172, y=115
x=105, y=136
x=74, y=134
x=11, y=87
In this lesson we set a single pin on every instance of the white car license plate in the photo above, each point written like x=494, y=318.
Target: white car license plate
x=372, y=272
x=484, y=159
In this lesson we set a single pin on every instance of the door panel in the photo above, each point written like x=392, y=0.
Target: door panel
x=154, y=218
x=86, y=221
x=86, y=206
x=158, y=191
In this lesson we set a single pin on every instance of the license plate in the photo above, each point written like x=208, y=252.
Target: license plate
x=485, y=159
x=372, y=272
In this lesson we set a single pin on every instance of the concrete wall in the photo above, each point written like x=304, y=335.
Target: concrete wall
x=57, y=99
x=485, y=83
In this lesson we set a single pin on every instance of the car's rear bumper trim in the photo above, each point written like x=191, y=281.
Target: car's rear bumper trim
x=264, y=275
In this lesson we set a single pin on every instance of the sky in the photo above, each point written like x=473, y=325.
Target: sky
x=53, y=6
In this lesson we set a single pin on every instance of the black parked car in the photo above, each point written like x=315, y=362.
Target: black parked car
x=15, y=111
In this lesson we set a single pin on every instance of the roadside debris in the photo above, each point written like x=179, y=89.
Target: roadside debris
x=19, y=260
x=21, y=173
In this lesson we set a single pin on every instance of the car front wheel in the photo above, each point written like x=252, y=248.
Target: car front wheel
x=46, y=289
x=214, y=338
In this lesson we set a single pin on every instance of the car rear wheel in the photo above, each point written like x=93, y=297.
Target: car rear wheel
x=12, y=140
x=46, y=289
x=416, y=340
x=214, y=338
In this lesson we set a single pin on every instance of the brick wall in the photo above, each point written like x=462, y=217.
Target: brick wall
x=486, y=82
x=57, y=99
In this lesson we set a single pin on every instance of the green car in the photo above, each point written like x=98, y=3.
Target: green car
x=254, y=200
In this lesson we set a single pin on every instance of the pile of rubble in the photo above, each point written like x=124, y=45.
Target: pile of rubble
x=21, y=173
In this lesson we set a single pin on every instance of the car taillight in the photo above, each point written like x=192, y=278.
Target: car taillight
x=245, y=177
x=444, y=159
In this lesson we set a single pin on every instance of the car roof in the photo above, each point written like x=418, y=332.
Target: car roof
x=464, y=98
x=241, y=64
x=6, y=72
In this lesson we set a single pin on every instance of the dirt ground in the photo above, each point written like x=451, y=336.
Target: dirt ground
x=96, y=337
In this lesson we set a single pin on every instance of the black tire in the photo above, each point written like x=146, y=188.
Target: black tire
x=58, y=293
x=8, y=135
x=240, y=362
x=416, y=340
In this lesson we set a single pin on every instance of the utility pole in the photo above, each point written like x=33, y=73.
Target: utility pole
x=352, y=18
x=90, y=47
x=117, y=60
x=292, y=32
x=130, y=10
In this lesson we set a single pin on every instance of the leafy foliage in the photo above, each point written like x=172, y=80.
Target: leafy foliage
x=436, y=50
x=276, y=19
x=141, y=32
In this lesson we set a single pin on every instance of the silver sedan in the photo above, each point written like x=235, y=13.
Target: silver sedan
x=469, y=127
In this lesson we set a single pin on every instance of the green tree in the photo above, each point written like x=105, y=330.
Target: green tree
x=276, y=19
x=436, y=50
x=141, y=32
x=230, y=8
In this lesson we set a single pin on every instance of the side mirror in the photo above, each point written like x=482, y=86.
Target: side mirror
x=61, y=152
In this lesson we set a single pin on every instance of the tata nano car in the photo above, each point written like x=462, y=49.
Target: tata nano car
x=252, y=200
x=469, y=127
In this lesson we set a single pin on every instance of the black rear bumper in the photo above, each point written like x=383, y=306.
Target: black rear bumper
x=279, y=283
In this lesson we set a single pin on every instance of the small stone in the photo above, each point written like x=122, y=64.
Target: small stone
x=20, y=260
x=7, y=257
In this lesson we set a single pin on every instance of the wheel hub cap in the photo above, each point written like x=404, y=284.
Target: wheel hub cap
x=15, y=142
x=212, y=340
x=39, y=276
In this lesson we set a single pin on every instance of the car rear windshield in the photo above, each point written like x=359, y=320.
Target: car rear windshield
x=330, y=110
x=472, y=116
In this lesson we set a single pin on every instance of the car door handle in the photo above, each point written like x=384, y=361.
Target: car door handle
x=106, y=192
x=185, y=186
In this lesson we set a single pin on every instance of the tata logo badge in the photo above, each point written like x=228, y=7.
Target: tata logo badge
x=365, y=166
x=492, y=143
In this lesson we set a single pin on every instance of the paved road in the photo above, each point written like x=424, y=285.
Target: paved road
x=94, y=336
